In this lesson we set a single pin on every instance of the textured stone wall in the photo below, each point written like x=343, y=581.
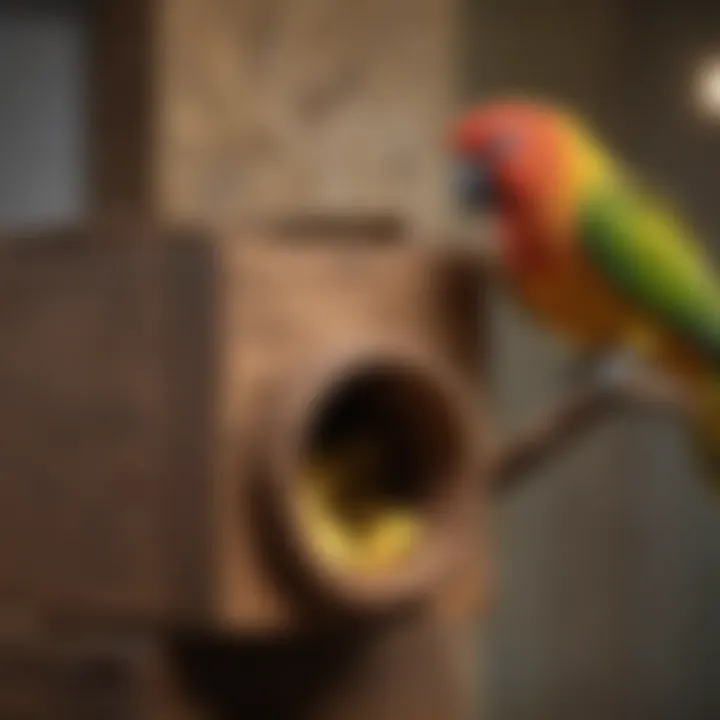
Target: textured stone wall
x=276, y=105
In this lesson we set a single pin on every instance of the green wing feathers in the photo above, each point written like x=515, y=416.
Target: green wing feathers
x=652, y=260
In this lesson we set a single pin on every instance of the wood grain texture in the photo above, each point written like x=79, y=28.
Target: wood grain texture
x=136, y=374
x=100, y=393
x=285, y=308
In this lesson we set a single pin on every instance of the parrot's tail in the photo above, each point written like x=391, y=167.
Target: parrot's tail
x=706, y=431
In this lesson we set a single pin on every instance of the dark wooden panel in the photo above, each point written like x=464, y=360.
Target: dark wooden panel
x=96, y=453
x=122, y=106
x=192, y=376
x=89, y=676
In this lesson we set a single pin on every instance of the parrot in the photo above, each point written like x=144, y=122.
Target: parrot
x=592, y=253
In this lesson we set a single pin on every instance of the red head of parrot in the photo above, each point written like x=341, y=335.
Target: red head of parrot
x=512, y=160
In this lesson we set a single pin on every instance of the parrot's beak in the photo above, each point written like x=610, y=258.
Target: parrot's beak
x=477, y=228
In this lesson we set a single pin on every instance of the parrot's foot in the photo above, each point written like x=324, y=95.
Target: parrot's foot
x=605, y=373
x=625, y=377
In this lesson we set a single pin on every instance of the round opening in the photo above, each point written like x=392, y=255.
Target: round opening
x=378, y=459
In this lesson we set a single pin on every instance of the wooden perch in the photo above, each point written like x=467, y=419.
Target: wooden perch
x=576, y=414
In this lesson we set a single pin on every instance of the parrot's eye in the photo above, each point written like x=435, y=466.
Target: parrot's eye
x=474, y=186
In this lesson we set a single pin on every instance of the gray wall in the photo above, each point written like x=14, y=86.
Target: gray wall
x=42, y=70
x=609, y=566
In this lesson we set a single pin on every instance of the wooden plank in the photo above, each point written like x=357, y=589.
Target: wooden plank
x=100, y=377
x=121, y=107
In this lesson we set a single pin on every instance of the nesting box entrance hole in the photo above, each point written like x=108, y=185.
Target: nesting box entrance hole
x=381, y=448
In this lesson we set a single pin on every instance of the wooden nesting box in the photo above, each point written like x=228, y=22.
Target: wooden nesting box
x=158, y=388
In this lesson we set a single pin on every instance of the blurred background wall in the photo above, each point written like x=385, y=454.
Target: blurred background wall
x=609, y=566
x=42, y=110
